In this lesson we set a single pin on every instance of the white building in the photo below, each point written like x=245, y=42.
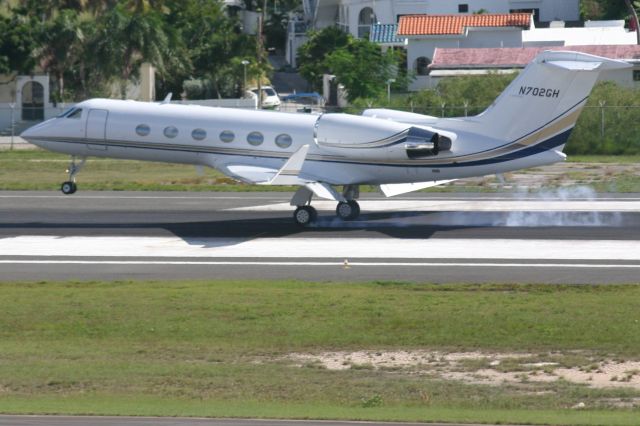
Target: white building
x=24, y=100
x=425, y=33
x=457, y=62
x=593, y=33
x=357, y=16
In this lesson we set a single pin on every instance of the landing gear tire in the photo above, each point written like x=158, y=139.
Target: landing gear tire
x=348, y=211
x=305, y=215
x=68, y=188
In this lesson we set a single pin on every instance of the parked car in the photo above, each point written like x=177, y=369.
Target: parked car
x=270, y=98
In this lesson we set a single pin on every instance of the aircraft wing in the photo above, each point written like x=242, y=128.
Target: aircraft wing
x=289, y=174
x=391, y=190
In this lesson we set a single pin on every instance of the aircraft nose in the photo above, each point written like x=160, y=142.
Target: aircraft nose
x=29, y=133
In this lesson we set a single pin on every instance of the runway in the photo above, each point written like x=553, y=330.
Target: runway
x=560, y=237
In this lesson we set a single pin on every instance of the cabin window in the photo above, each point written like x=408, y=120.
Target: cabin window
x=255, y=138
x=422, y=65
x=283, y=140
x=76, y=114
x=143, y=130
x=227, y=136
x=170, y=132
x=199, y=134
x=463, y=8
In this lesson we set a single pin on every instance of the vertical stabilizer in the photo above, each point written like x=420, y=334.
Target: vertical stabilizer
x=544, y=101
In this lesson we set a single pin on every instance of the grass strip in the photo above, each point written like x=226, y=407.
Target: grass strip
x=144, y=406
x=219, y=348
x=42, y=170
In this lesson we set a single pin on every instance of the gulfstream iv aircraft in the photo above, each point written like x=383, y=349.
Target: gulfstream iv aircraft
x=527, y=126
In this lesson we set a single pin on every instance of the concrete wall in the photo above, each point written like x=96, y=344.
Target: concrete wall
x=581, y=36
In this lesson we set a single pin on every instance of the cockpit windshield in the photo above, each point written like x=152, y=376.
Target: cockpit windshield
x=71, y=112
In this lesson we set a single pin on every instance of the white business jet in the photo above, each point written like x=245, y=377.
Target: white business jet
x=527, y=126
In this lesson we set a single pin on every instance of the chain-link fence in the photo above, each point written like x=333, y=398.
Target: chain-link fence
x=14, y=120
x=600, y=130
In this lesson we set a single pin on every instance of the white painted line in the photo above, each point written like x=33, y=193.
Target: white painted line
x=339, y=264
x=318, y=248
x=469, y=205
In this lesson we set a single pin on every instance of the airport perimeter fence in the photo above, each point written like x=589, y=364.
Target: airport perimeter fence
x=603, y=129
x=600, y=130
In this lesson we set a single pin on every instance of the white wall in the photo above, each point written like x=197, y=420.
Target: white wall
x=347, y=12
x=485, y=37
x=578, y=36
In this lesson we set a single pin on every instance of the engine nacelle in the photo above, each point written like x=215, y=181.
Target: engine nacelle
x=423, y=143
x=372, y=138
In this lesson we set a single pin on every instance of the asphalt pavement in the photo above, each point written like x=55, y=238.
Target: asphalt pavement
x=424, y=237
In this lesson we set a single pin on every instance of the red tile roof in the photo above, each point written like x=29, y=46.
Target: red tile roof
x=456, y=24
x=517, y=57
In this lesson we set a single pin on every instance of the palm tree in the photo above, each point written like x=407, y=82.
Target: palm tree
x=126, y=39
x=62, y=45
x=632, y=12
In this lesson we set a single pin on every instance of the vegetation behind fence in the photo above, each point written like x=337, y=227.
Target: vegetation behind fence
x=609, y=124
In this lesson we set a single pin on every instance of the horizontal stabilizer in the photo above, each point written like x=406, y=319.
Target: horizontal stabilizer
x=575, y=66
x=394, y=189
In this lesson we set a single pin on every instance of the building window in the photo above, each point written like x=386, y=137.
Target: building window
x=143, y=130
x=636, y=75
x=227, y=136
x=283, y=140
x=170, y=132
x=366, y=18
x=463, y=8
x=422, y=65
x=255, y=138
x=199, y=134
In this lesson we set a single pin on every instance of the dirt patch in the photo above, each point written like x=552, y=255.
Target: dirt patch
x=484, y=368
x=556, y=175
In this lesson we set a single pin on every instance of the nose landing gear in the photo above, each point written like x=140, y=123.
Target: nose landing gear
x=69, y=187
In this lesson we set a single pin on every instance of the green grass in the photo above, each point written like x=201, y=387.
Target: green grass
x=617, y=159
x=41, y=170
x=216, y=348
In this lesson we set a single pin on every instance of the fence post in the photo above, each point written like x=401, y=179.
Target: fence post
x=13, y=124
x=602, y=103
x=466, y=108
x=443, y=106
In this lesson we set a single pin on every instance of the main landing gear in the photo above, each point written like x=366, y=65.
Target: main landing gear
x=69, y=187
x=305, y=214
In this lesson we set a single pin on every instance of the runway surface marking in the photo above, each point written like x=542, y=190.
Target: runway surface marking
x=319, y=263
x=478, y=205
x=348, y=248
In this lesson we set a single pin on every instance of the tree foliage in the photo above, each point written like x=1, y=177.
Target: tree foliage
x=358, y=64
x=17, y=44
x=609, y=124
x=312, y=55
x=603, y=9
x=87, y=46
